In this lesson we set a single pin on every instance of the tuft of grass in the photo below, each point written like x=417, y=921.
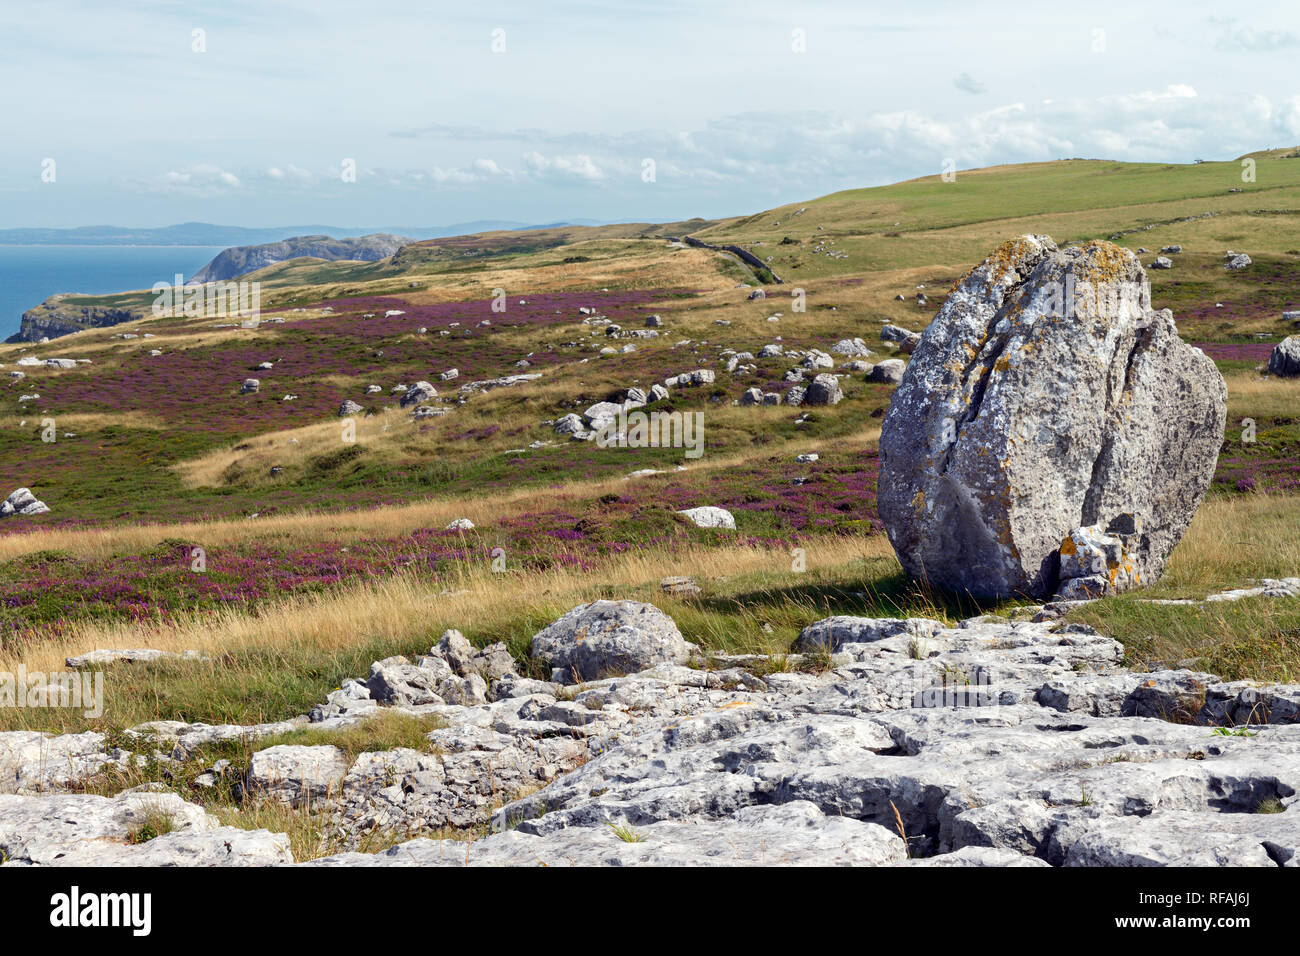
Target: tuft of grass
x=625, y=833
x=156, y=822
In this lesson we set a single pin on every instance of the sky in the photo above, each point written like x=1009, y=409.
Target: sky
x=279, y=112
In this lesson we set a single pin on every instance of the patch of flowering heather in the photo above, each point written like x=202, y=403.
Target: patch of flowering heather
x=821, y=497
x=199, y=387
x=1244, y=473
x=1236, y=351
x=836, y=496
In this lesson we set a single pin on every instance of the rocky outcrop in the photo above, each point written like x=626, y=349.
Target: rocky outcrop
x=83, y=830
x=990, y=742
x=241, y=260
x=61, y=315
x=1046, y=396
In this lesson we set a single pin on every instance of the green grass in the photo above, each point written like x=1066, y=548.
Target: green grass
x=241, y=687
x=156, y=822
x=387, y=730
x=1254, y=638
x=625, y=833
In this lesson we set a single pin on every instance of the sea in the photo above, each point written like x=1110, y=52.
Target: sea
x=30, y=274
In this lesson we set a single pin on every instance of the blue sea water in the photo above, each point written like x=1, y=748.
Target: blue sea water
x=30, y=274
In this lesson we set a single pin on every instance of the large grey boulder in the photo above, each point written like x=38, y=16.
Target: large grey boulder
x=1284, y=361
x=851, y=347
x=610, y=637
x=832, y=633
x=1046, y=396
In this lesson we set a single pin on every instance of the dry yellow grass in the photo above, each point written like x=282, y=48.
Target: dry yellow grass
x=92, y=422
x=396, y=607
x=257, y=454
x=1232, y=540
x=1259, y=396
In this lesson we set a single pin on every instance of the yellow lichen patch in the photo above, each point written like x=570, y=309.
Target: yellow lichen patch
x=1104, y=264
x=1068, y=546
x=918, y=500
x=1002, y=259
x=1002, y=364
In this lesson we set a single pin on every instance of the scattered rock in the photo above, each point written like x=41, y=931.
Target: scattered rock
x=904, y=339
x=1284, y=360
x=417, y=393
x=22, y=502
x=851, y=347
x=889, y=372
x=683, y=587
x=146, y=655
x=709, y=516
x=824, y=390
x=609, y=637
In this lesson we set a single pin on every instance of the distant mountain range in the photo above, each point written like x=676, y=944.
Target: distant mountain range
x=207, y=234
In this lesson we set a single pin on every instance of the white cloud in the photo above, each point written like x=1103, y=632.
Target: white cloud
x=201, y=177
x=968, y=84
x=1248, y=39
x=579, y=168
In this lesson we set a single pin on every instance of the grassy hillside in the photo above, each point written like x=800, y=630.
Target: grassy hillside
x=323, y=552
